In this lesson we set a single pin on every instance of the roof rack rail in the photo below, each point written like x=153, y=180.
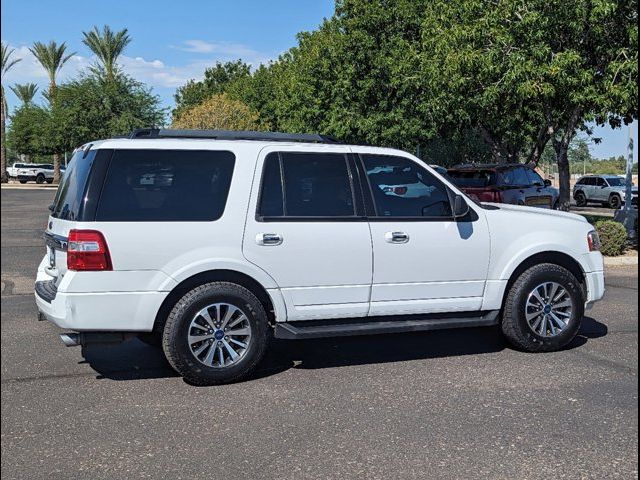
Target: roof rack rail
x=232, y=135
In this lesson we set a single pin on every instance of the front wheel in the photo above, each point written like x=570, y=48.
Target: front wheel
x=22, y=181
x=216, y=333
x=543, y=309
x=40, y=179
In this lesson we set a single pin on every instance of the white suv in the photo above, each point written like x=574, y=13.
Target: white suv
x=209, y=243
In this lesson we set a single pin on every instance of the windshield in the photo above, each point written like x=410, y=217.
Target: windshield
x=70, y=196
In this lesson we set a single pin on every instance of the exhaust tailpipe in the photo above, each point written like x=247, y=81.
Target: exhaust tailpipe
x=70, y=339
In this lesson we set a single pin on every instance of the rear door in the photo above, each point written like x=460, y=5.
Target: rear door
x=600, y=191
x=424, y=260
x=306, y=229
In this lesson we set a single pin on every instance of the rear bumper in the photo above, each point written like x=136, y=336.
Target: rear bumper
x=118, y=311
x=108, y=310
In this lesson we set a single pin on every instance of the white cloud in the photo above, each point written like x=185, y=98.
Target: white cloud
x=153, y=72
x=225, y=49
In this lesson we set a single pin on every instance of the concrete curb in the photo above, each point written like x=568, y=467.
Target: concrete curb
x=10, y=186
x=620, y=261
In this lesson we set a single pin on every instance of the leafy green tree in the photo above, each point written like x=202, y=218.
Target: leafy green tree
x=94, y=107
x=216, y=80
x=52, y=58
x=107, y=46
x=25, y=92
x=28, y=133
x=6, y=63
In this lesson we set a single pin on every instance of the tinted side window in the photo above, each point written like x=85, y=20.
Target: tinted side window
x=515, y=177
x=166, y=185
x=600, y=182
x=317, y=185
x=534, y=177
x=401, y=188
x=271, y=200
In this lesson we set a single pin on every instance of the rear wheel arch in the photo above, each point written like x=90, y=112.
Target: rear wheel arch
x=230, y=276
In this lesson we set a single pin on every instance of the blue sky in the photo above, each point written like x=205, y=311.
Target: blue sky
x=176, y=41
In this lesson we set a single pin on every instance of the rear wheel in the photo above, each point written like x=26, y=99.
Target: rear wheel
x=615, y=201
x=22, y=181
x=40, y=179
x=543, y=309
x=581, y=199
x=217, y=333
x=49, y=180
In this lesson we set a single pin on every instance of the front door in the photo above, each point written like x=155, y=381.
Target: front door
x=304, y=228
x=424, y=260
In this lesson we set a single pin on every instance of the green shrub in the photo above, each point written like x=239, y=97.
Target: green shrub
x=613, y=236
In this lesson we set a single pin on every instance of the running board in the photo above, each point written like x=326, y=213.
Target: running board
x=375, y=325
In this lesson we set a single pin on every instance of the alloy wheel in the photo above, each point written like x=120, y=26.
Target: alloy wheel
x=219, y=335
x=549, y=309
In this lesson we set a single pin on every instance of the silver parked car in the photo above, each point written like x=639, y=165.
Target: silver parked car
x=608, y=190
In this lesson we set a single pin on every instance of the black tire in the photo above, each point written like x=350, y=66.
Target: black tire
x=615, y=201
x=176, y=330
x=581, y=199
x=40, y=179
x=514, y=323
x=22, y=181
x=49, y=180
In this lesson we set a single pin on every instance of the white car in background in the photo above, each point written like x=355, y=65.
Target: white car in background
x=38, y=172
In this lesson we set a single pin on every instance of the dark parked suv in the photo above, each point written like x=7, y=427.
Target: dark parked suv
x=515, y=184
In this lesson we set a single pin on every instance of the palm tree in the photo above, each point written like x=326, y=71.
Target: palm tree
x=25, y=92
x=107, y=46
x=52, y=57
x=6, y=63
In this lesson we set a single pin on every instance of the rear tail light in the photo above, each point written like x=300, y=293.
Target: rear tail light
x=87, y=251
x=400, y=190
x=593, y=239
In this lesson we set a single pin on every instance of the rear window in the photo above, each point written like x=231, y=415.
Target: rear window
x=473, y=179
x=166, y=185
x=71, y=192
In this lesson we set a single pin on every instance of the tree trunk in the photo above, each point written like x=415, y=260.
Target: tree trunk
x=3, y=147
x=56, y=168
x=564, y=174
x=496, y=151
x=544, y=135
x=561, y=146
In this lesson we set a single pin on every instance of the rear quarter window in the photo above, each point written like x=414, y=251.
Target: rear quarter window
x=166, y=185
x=70, y=198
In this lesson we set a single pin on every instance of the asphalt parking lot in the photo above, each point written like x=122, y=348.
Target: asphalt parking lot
x=449, y=404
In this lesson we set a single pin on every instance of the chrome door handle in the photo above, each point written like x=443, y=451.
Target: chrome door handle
x=269, y=239
x=396, y=237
